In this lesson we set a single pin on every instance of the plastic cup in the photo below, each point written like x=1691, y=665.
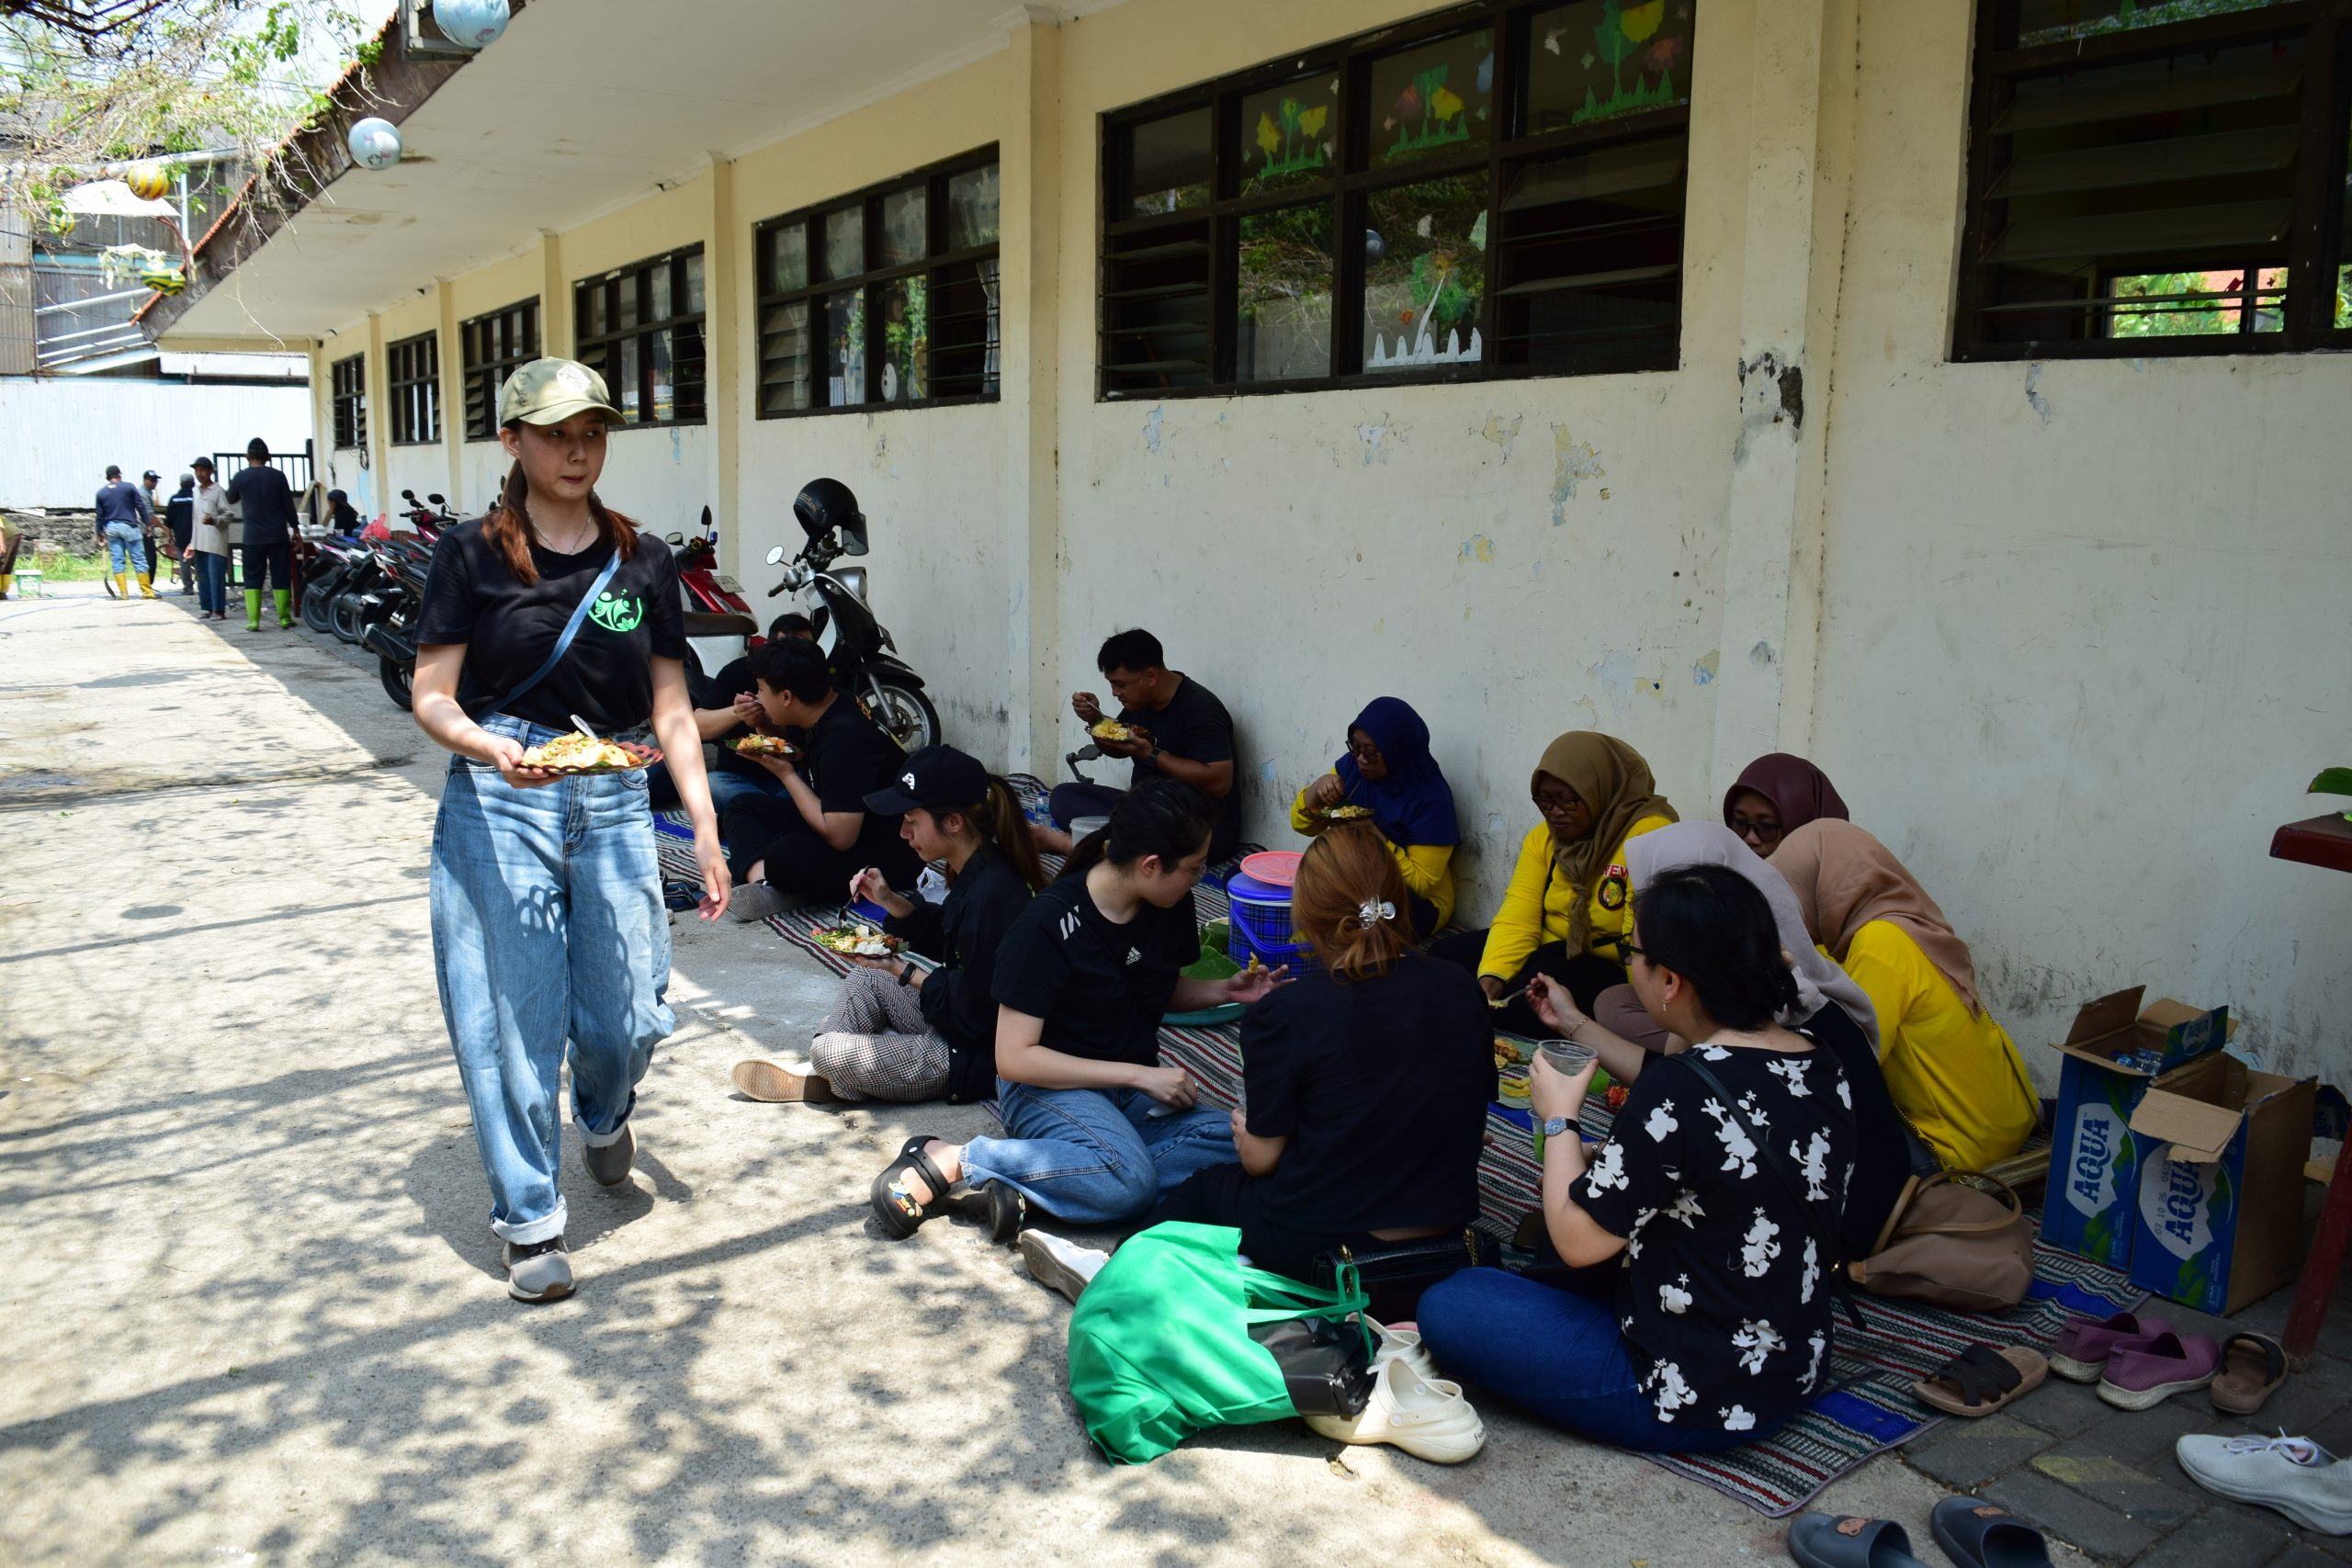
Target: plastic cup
x=1565, y=1057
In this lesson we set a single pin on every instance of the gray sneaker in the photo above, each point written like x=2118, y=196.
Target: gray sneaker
x=2294, y=1475
x=610, y=1164
x=539, y=1271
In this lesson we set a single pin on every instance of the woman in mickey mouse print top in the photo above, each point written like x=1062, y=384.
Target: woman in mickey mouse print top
x=1721, y=1328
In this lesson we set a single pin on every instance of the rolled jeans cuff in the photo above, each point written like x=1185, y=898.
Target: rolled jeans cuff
x=543, y=1229
x=596, y=1140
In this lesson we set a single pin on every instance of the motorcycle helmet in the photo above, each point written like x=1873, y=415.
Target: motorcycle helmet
x=827, y=504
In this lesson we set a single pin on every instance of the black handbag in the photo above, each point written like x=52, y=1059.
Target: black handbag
x=1395, y=1273
x=1323, y=1363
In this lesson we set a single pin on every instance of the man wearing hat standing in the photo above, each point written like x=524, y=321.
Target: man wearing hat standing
x=269, y=549
x=209, y=546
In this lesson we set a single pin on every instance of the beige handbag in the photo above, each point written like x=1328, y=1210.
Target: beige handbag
x=1959, y=1238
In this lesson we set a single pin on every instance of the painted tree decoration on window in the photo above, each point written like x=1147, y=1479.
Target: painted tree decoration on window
x=1426, y=114
x=1430, y=279
x=1619, y=38
x=1280, y=141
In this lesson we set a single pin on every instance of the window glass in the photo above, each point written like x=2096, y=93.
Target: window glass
x=1425, y=274
x=1588, y=271
x=844, y=244
x=963, y=331
x=1168, y=163
x=788, y=258
x=1434, y=100
x=693, y=283
x=624, y=377
x=666, y=389
x=906, y=339
x=784, y=357
x=623, y=301
x=1283, y=325
x=660, y=310
x=1290, y=134
x=1598, y=59
x=972, y=203
x=591, y=309
x=2056, y=21
x=903, y=228
x=845, y=349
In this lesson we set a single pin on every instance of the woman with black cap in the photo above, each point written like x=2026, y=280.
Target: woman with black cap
x=901, y=1033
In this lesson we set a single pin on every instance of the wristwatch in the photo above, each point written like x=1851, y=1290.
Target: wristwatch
x=1554, y=1127
x=908, y=973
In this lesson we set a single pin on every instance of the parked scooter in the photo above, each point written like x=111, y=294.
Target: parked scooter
x=719, y=624
x=330, y=565
x=388, y=626
x=863, y=656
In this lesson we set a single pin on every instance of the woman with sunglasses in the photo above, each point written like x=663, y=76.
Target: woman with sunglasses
x=1775, y=796
x=1564, y=913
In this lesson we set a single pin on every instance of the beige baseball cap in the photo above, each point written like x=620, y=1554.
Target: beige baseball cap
x=549, y=392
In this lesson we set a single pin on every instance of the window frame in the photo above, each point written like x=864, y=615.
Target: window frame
x=487, y=373
x=402, y=377
x=932, y=267
x=1509, y=148
x=636, y=404
x=349, y=401
x=2316, y=245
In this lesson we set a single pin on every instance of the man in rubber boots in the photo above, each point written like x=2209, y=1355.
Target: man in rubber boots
x=269, y=534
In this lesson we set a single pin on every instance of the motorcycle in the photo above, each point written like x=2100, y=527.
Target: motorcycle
x=720, y=625
x=330, y=565
x=858, y=647
x=388, y=627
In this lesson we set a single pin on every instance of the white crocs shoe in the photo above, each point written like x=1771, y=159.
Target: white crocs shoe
x=2294, y=1475
x=1401, y=1345
x=1061, y=1264
x=1426, y=1417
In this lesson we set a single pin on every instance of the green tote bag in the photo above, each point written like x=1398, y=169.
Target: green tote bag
x=1161, y=1343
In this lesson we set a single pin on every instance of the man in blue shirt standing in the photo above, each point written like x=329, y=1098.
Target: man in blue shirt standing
x=123, y=518
x=269, y=549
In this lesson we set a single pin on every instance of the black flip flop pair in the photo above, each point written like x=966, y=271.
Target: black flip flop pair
x=1974, y=1533
x=992, y=1204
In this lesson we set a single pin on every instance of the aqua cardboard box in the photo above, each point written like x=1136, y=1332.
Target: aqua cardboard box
x=2219, y=1216
x=2093, y=1158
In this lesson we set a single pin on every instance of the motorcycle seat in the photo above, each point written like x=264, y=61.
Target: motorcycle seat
x=706, y=623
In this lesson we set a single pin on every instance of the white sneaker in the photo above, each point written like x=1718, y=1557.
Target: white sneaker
x=2294, y=1475
x=1426, y=1417
x=1061, y=1265
x=1401, y=1345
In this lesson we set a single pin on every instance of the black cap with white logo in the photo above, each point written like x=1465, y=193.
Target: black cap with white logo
x=937, y=778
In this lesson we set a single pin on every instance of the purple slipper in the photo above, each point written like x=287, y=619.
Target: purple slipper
x=2084, y=1344
x=2140, y=1372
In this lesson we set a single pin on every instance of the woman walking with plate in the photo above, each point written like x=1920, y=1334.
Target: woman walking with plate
x=548, y=928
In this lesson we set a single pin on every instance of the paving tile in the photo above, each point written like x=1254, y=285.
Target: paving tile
x=2061, y=1408
x=2308, y=1399
x=2143, y=1438
x=2214, y=1543
x=1964, y=1454
x=2160, y=1501
x=2301, y=1555
x=2071, y=1518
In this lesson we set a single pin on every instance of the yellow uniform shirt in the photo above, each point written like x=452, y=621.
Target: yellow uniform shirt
x=1958, y=1079
x=1427, y=869
x=1537, y=903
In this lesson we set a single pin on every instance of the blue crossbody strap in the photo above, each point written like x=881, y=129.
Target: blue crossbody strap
x=570, y=630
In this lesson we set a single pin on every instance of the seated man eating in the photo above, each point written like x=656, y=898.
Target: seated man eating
x=1175, y=728
x=726, y=710
x=807, y=842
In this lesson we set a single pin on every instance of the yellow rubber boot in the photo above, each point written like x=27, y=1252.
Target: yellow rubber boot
x=7, y=580
x=121, y=585
x=146, y=586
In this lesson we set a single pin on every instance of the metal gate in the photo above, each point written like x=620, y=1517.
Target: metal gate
x=301, y=470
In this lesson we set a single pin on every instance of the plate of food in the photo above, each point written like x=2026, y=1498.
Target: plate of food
x=1110, y=729
x=1344, y=812
x=857, y=940
x=577, y=755
x=763, y=746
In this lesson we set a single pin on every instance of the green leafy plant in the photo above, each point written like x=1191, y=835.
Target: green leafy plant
x=2334, y=780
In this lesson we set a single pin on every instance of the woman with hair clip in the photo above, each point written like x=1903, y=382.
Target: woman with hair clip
x=899, y=1032
x=1364, y=1085
x=1095, y=1130
x=1721, y=1184
x=547, y=921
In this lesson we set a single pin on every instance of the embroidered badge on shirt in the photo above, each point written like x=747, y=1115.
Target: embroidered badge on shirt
x=1612, y=889
x=617, y=612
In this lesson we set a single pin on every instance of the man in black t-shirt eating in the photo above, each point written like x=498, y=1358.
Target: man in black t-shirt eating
x=1178, y=730
x=806, y=843
x=727, y=706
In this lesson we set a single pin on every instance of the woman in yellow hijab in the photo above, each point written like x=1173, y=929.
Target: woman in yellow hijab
x=1565, y=912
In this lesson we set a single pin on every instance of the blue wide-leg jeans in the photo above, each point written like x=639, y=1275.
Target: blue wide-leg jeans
x=548, y=931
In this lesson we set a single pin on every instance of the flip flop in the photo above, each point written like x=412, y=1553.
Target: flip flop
x=893, y=1203
x=2251, y=1366
x=1977, y=1534
x=1830, y=1541
x=1981, y=1380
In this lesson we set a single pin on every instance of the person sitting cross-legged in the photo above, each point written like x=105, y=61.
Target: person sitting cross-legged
x=809, y=841
x=1177, y=731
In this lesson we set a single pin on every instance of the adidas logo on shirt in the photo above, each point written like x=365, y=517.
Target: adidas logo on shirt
x=1134, y=953
x=1069, y=925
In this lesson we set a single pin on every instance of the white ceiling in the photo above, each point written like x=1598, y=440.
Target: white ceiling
x=584, y=106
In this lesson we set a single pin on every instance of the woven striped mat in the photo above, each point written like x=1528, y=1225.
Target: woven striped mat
x=1869, y=1407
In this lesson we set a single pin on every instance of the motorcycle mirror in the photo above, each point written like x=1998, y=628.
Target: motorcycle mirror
x=408, y=495
x=775, y=556
x=437, y=500
x=673, y=538
x=706, y=519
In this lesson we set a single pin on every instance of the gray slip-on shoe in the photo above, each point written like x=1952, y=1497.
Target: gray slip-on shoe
x=539, y=1271
x=758, y=900
x=610, y=1164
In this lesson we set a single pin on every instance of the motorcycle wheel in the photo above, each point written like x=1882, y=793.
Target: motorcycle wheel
x=400, y=682
x=342, y=616
x=318, y=609
x=908, y=717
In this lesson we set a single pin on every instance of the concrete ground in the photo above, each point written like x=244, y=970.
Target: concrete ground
x=252, y=1308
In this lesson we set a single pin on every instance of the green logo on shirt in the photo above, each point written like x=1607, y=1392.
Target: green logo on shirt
x=617, y=612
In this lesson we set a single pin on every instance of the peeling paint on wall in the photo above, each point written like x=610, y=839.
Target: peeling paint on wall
x=677, y=449
x=1375, y=442
x=1770, y=393
x=1151, y=425
x=1502, y=434
x=1480, y=549
x=2041, y=404
x=1615, y=677
x=1572, y=463
x=1760, y=656
x=1703, y=673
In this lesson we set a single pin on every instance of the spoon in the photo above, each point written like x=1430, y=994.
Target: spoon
x=581, y=725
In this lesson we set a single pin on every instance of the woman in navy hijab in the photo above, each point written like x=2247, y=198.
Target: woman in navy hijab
x=1388, y=772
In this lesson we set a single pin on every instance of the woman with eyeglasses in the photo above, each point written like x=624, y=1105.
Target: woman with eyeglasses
x=1564, y=913
x=1775, y=796
x=1389, y=773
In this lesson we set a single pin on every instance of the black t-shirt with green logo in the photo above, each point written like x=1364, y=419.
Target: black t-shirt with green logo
x=509, y=627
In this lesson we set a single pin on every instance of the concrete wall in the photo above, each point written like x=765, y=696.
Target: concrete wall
x=57, y=435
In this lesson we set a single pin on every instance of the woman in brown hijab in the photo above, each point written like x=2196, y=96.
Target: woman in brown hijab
x=1952, y=1069
x=1565, y=912
x=1775, y=796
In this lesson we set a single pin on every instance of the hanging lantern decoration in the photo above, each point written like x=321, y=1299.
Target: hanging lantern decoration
x=148, y=182
x=375, y=143
x=476, y=24
x=164, y=279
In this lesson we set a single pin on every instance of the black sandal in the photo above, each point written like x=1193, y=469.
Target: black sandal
x=994, y=1205
x=894, y=1204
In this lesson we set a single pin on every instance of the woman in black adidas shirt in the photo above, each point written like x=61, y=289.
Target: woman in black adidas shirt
x=548, y=922
x=1095, y=1130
